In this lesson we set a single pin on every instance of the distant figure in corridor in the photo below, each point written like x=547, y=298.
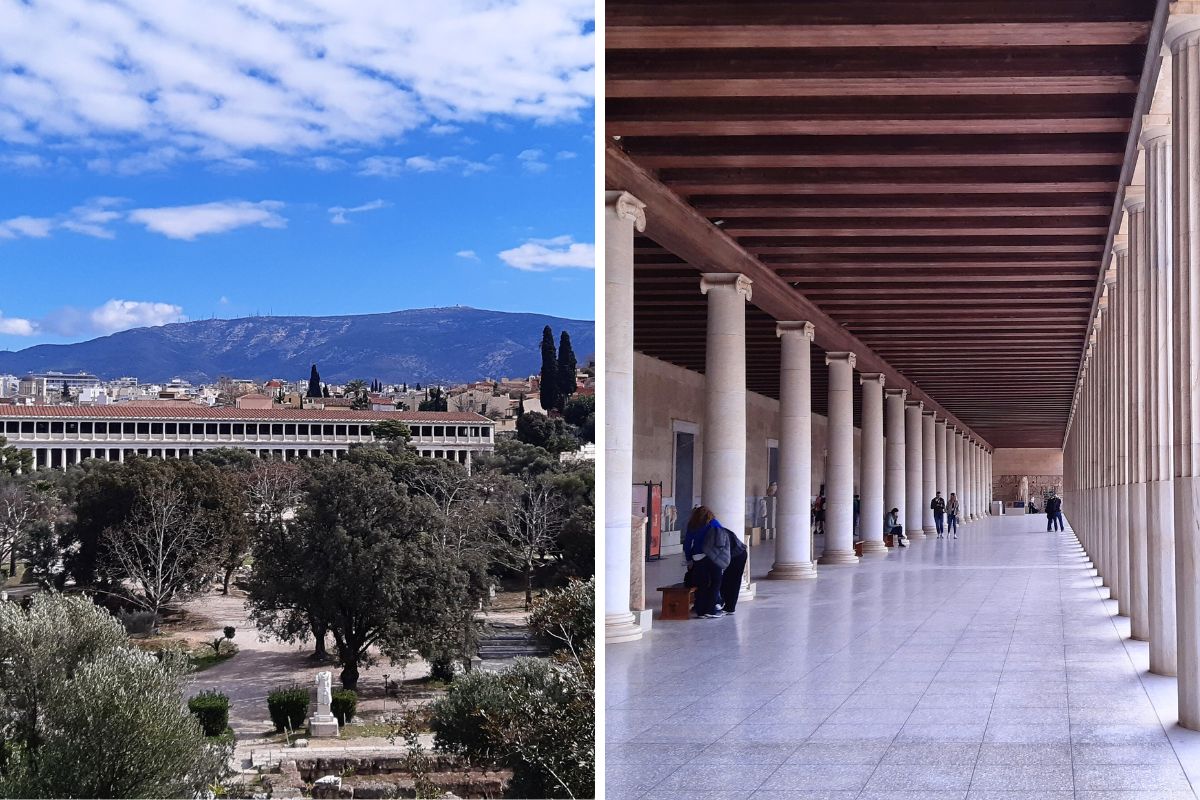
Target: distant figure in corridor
x=938, y=504
x=819, y=511
x=1054, y=512
x=705, y=560
x=952, y=514
x=891, y=524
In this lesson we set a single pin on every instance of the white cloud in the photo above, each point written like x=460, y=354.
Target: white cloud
x=92, y=218
x=283, y=76
x=531, y=161
x=328, y=163
x=188, y=222
x=26, y=227
x=442, y=129
x=543, y=255
x=15, y=326
x=394, y=166
x=339, y=213
x=470, y=255
x=564, y=155
x=113, y=316
x=224, y=300
x=120, y=315
x=156, y=159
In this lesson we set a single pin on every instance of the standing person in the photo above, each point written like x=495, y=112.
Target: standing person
x=952, y=514
x=819, y=510
x=731, y=577
x=891, y=524
x=939, y=511
x=703, y=573
x=856, y=508
x=1054, y=513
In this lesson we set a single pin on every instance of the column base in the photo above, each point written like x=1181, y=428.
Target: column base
x=870, y=546
x=793, y=571
x=838, y=557
x=930, y=532
x=914, y=535
x=749, y=590
x=644, y=619
x=621, y=628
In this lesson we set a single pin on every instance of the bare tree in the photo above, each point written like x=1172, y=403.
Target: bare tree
x=18, y=510
x=274, y=488
x=165, y=549
x=530, y=520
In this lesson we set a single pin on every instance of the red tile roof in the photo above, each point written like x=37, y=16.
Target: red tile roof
x=193, y=411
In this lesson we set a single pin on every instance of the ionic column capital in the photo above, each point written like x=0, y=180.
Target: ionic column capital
x=917, y=404
x=1183, y=25
x=735, y=280
x=850, y=358
x=1155, y=127
x=892, y=393
x=626, y=206
x=1110, y=275
x=871, y=377
x=1135, y=199
x=789, y=327
x=1120, y=247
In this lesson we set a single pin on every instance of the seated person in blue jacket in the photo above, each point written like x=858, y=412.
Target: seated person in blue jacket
x=708, y=548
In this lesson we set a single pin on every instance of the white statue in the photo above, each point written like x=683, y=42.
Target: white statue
x=323, y=723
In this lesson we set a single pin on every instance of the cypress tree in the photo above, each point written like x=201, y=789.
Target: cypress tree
x=314, y=383
x=566, y=369
x=549, y=375
x=324, y=391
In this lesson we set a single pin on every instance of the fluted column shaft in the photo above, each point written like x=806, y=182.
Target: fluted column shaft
x=913, y=468
x=1121, y=481
x=894, y=488
x=960, y=472
x=1183, y=38
x=793, y=546
x=941, y=463
x=622, y=213
x=1139, y=623
x=839, y=480
x=928, y=473
x=871, y=479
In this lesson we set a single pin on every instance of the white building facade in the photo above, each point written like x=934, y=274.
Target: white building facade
x=59, y=436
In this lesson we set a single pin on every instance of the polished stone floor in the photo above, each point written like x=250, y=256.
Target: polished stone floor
x=984, y=668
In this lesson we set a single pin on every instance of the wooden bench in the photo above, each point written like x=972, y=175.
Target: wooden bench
x=887, y=542
x=677, y=601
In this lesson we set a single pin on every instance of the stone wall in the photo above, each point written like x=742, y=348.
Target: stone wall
x=1040, y=467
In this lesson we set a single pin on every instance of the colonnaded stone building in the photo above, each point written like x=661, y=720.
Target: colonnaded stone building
x=59, y=436
x=859, y=253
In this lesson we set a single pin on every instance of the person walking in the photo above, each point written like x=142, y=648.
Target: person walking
x=891, y=524
x=703, y=571
x=1054, y=515
x=939, y=511
x=731, y=577
x=952, y=511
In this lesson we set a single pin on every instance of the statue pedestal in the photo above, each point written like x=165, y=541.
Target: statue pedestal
x=323, y=726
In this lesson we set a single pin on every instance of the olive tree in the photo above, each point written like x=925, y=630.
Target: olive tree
x=83, y=714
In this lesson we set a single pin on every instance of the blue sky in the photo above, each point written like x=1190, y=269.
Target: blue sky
x=184, y=160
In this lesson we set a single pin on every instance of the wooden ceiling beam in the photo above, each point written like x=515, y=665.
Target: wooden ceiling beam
x=616, y=87
x=979, y=34
x=767, y=126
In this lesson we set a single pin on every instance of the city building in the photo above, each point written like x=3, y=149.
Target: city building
x=59, y=436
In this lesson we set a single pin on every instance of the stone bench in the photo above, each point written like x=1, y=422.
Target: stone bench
x=677, y=601
x=888, y=541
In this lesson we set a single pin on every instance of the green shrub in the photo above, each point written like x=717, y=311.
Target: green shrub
x=343, y=704
x=567, y=616
x=212, y=709
x=536, y=718
x=288, y=706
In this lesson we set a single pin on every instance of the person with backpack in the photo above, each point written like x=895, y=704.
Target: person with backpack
x=952, y=511
x=939, y=511
x=731, y=577
x=706, y=560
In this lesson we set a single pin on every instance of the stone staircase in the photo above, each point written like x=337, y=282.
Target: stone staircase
x=503, y=641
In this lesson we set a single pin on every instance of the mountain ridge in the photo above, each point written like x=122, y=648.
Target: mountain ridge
x=424, y=345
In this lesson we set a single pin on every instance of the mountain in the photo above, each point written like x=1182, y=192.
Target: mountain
x=428, y=345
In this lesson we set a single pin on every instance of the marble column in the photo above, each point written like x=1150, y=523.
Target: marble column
x=894, y=488
x=1121, y=483
x=913, y=442
x=960, y=472
x=968, y=485
x=870, y=484
x=723, y=477
x=793, y=544
x=1160, y=495
x=928, y=473
x=839, y=480
x=941, y=465
x=622, y=214
x=1183, y=38
x=951, y=461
